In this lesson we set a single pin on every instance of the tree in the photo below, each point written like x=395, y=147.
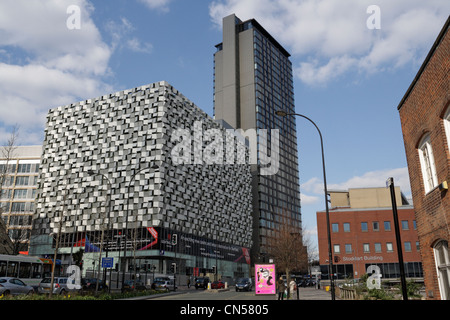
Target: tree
x=286, y=247
x=78, y=258
x=7, y=153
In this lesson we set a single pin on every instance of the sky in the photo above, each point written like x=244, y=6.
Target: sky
x=352, y=64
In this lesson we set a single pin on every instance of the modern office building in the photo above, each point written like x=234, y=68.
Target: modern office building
x=18, y=186
x=252, y=80
x=425, y=118
x=139, y=174
x=363, y=235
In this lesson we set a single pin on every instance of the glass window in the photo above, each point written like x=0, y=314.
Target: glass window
x=387, y=226
x=24, y=168
x=389, y=247
x=405, y=225
x=408, y=246
x=377, y=247
x=335, y=227
x=376, y=226
x=364, y=226
x=348, y=248
x=337, y=248
x=346, y=227
x=427, y=164
x=441, y=256
x=447, y=126
x=366, y=247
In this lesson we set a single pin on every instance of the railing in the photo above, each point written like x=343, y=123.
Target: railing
x=348, y=294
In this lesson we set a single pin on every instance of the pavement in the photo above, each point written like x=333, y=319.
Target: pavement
x=315, y=294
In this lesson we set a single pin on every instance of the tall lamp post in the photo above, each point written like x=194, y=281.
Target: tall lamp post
x=390, y=184
x=126, y=221
x=330, y=255
x=93, y=173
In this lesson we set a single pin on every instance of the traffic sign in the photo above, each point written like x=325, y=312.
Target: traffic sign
x=107, y=262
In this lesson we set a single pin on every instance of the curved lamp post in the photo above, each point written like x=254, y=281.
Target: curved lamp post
x=330, y=255
x=93, y=173
x=126, y=221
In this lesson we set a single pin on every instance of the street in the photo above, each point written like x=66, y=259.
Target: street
x=231, y=294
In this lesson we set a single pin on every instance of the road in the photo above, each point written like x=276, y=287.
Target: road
x=305, y=294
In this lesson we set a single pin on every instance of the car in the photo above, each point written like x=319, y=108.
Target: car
x=201, y=282
x=244, y=284
x=218, y=285
x=14, y=286
x=166, y=285
x=90, y=284
x=137, y=285
x=59, y=286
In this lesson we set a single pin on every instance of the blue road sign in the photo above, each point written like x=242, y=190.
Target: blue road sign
x=107, y=262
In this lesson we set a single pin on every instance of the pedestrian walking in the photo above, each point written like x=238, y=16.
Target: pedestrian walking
x=293, y=290
x=189, y=282
x=281, y=288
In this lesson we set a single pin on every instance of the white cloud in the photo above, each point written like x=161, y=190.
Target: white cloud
x=137, y=46
x=47, y=64
x=307, y=199
x=160, y=5
x=39, y=29
x=121, y=34
x=372, y=179
x=331, y=37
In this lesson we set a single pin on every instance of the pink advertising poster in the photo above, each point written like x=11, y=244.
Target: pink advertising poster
x=265, y=279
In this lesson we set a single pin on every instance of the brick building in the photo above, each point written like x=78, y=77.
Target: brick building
x=363, y=234
x=425, y=118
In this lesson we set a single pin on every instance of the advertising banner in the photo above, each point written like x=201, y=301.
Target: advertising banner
x=265, y=279
x=160, y=239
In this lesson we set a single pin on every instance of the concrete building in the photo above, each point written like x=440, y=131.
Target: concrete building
x=252, y=80
x=18, y=187
x=425, y=118
x=363, y=234
x=120, y=172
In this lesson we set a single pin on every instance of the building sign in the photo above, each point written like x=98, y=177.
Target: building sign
x=265, y=279
x=363, y=258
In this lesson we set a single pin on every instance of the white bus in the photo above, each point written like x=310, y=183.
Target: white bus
x=29, y=269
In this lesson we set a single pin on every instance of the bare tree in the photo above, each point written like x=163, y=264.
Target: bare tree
x=311, y=249
x=7, y=153
x=286, y=247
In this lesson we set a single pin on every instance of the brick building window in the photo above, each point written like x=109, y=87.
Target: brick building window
x=389, y=247
x=442, y=259
x=366, y=247
x=337, y=248
x=427, y=164
x=335, y=227
x=447, y=126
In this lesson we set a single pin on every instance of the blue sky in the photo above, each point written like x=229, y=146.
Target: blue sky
x=348, y=78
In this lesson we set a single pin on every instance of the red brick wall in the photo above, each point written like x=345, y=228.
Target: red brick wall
x=422, y=113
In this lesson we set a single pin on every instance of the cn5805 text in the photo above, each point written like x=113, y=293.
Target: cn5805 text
x=246, y=309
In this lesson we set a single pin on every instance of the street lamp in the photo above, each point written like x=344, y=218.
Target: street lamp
x=93, y=173
x=126, y=221
x=216, y=253
x=330, y=255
